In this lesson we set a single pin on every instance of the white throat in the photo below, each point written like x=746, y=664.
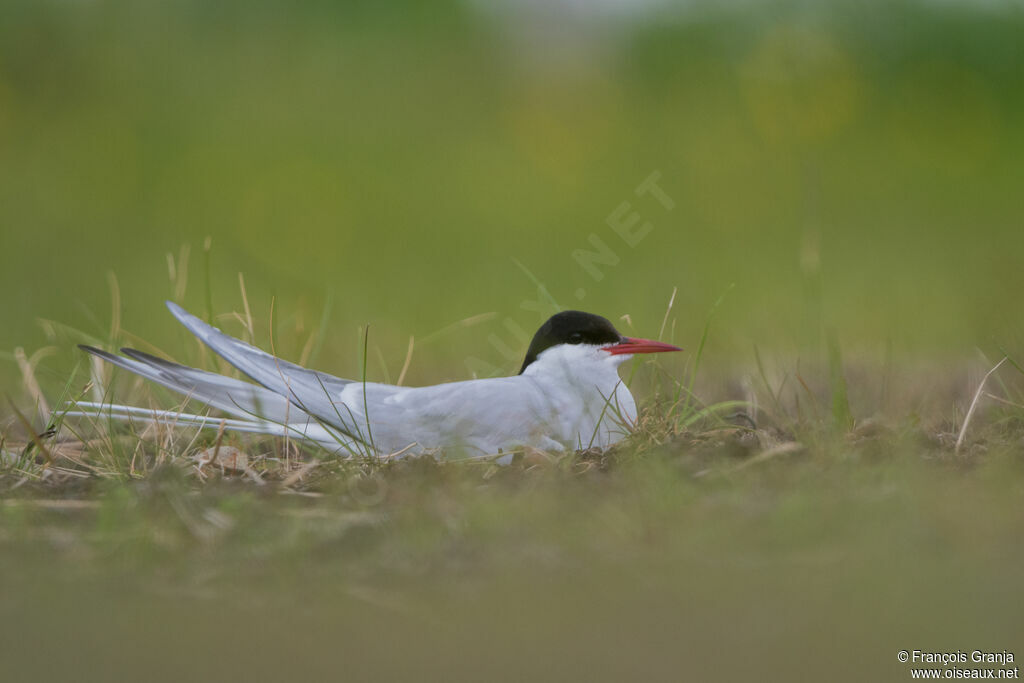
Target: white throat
x=576, y=360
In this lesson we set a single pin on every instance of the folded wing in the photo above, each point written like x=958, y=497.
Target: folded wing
x=317, y=393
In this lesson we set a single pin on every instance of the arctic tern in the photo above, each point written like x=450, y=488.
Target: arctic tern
x=567, y=396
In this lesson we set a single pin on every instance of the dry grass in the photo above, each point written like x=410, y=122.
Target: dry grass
x=735, y=433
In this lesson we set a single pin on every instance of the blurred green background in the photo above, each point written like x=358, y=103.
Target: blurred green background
x=854, y=167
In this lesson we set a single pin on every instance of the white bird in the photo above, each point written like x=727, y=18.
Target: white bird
x=568, y=395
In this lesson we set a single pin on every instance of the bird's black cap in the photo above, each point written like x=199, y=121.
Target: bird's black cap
x=571, y=327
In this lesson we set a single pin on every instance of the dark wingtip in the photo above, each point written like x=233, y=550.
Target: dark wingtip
x=135, y=354
x=96, y=352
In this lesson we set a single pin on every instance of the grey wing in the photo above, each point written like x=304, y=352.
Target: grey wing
x=224, y=393
x=313, y=391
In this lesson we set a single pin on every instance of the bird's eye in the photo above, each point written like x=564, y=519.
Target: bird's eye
x=575, y=338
